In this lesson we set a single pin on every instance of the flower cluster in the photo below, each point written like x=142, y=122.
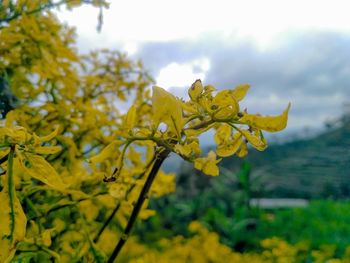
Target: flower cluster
x=185, y=121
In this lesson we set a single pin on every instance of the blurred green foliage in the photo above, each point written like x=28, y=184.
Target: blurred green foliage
x=313, y=168
x=321, y=223
x=222, y=206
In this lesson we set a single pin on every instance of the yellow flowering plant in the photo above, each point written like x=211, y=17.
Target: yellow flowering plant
x=77, y=171
x=204, y=246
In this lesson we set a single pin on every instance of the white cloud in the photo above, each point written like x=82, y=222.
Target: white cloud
x=278, y=74
x=137, y=21
x=184, y=74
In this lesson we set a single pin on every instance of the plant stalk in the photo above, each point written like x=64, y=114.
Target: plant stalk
x=11, y=190
x=142, y=197
x=115, y=210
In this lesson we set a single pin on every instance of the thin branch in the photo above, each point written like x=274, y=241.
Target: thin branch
x=55, y=208
x=3, y=159
x=115, y=210
x=11, y=191
x=201, y=125
x=142, y=197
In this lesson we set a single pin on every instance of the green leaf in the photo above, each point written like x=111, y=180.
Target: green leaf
x=23, y=259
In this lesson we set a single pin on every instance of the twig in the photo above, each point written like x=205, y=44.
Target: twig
x=115, y=210
x=142, y=197
x=11, y=190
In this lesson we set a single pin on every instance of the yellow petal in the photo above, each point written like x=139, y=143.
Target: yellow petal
x=240, y=91
x=208, y=165
x=195, y=148
x=118, y=191
x=223, y=133
x=109, y=151
x=46, y=237
x=49, y=137
x=267, y=123
x=196, y=89
x=146, y=213
x=4, y=131
x=130, y=118
x=204, y=103
x=190, y=107
x=167, y=108
x=229, y=147
x=10, y=118
x=199, y=163
x=189, y=150
x=17, y=134
x=244, y=149
x=163, y=104
x=47, y=149
x=211, y=169
x=135, y=157
x=38, y=168
x=257, y=142
x=225, y=105
x=208, y=90
x=184, y=150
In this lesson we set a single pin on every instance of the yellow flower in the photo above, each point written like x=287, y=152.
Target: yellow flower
x=229, y=147
x=26, y=146
x=190, y=149
x=244, y=149
x=256, y=140
x=208, y=164
x=225, y=105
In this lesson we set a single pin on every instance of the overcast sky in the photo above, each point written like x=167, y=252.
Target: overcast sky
x=288, y=51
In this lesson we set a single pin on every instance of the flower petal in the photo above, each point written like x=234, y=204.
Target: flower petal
x=47, y=149
x=196, y=89
x=240, y=91
x=229, y=147
x=267, y=123
x=257, y=142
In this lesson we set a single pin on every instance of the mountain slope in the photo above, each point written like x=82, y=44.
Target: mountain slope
x=316, y=167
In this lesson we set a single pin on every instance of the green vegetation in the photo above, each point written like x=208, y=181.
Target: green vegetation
x=321, y=223
x=222, y=206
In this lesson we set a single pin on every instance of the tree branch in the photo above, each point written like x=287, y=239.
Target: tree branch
x=142, y=197
x=115, y=210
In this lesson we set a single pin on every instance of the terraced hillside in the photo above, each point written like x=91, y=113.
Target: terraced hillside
x=311, y=168
x=317, y=167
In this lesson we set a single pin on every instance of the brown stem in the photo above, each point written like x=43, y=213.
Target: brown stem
x=142, y=197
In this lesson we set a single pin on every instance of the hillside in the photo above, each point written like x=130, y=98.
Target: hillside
x=318, y=167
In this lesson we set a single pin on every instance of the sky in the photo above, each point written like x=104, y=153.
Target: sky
x=288, y=51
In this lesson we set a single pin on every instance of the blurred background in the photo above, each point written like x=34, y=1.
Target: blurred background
x=288, y=51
